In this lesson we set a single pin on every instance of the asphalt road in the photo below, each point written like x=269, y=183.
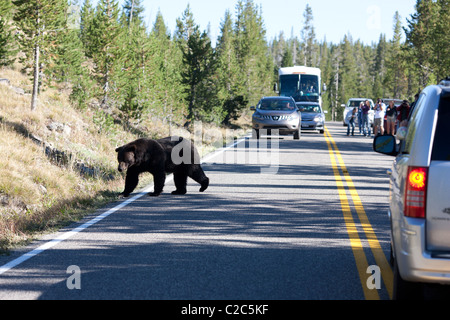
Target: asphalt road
x=286, y=221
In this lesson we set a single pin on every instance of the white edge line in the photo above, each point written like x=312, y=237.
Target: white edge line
x=50, y=244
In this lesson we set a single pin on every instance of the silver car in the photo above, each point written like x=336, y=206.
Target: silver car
x=419, y=207
x=276, y=114
x=313, y=117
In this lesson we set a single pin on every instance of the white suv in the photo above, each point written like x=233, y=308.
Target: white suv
x=354, y=103
x=419, y=208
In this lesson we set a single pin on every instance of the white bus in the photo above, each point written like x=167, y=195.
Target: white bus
x=301, y=83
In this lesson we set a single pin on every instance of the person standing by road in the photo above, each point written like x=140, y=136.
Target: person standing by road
x=403, y=111
x=351, y=121
x=391, y=117
x=379, y=117
x=360, y=118
x=365, y=118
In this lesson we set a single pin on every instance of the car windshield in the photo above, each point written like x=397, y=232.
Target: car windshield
x=355, y=103
x=311, y=109
x=284, y=105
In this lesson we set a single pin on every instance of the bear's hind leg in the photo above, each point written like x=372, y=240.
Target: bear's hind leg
x=198, y=175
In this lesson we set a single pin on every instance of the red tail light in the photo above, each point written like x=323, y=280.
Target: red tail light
x=416, y=192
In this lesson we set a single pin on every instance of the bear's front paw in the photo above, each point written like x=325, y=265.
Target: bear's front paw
x=123, y=195
x=154, y=194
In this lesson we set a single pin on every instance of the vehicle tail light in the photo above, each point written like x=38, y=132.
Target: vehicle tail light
x=416, y=192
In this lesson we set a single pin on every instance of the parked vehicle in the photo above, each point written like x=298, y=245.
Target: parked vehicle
x=419, y=202
x=354, y=103
x=276, y=113
x=313, y=117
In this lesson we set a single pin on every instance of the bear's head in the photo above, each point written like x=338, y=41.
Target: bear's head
x=126, y=156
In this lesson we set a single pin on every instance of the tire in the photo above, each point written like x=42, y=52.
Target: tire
x=405, y=290
x=297, y=134
x=255, y=134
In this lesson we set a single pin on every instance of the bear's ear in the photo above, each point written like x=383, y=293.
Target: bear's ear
x=131, y=148
x=119, y=149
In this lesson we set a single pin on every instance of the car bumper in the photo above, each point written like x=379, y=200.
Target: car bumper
x=284, y=126
x=312, y=125
x=415, y=262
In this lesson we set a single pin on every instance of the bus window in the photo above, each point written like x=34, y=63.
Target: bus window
x=309, y=85
x=289, y=85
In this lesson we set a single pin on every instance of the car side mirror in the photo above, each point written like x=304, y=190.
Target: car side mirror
x=343, y=105
x=325, y=111
x=385, y=144
x=252, y=108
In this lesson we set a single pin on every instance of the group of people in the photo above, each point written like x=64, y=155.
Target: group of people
x=394, y=116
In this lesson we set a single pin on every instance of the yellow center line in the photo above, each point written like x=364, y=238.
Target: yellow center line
x=377, y=251
x=355, y=242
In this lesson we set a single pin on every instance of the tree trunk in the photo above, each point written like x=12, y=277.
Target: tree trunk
x=34, y=97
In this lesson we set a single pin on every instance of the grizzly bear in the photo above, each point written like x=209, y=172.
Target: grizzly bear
x=169, y=155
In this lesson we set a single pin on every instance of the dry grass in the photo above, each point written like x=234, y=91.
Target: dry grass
x=36, y=193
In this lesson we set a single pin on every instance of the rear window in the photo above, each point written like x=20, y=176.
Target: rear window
x=441, y=144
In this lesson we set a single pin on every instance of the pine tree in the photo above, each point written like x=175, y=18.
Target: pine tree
x=308, y=36
x=106, y=50
x=67, y=65
x=441, y=44
x=230, y=85
x=167, y=74
x=252, y=52
x=160, y=29
x=288, y=58
x=134, y=10
x=7, y=41
x=87, y=16
x=198, y=64
x=420, y=38
x=347, y=70
x=39, y=21
x=395, y=80
x=185, y=27
x=379, y=68
x=133, y=87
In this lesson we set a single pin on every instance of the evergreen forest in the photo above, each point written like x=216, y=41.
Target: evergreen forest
x=111, y=60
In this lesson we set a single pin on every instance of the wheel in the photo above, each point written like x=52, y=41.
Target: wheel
x=297, y=134
x=255, y=134
x=405, y=290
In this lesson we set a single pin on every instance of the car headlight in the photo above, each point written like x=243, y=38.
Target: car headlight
x=258, y=116
x=318, y=119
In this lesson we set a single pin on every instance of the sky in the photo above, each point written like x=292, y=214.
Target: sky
x=363, y=19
